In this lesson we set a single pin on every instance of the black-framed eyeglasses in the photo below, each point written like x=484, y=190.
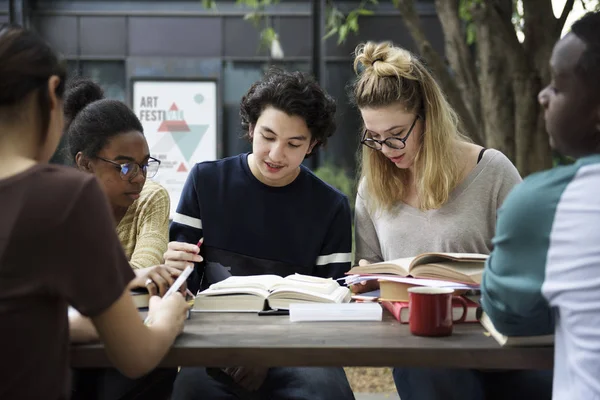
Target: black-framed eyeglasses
x=129, y=170
x=392, y=142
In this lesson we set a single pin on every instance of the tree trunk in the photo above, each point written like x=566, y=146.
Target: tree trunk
x=460, y=58
x=411, y=19
x=497, y=97
x=498, y=106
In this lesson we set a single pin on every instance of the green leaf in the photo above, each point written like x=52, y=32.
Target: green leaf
x=343, y=33
x=464, y=10
x=330, y=33
x=209, y=4
x=471, y=37
x=353, y=25
x=364, y=11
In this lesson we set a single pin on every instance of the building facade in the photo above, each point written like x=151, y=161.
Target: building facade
x=117, y=42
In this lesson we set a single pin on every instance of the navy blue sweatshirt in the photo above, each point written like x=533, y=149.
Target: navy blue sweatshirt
x=250, y=228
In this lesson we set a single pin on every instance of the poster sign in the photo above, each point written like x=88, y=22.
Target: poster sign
x=180, y=125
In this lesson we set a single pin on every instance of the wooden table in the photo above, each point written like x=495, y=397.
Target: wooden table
x=221, y=340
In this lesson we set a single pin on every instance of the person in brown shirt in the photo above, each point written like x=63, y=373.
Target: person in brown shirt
x=53, y=250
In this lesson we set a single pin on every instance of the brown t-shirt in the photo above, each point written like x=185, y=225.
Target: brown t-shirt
x=57, y=247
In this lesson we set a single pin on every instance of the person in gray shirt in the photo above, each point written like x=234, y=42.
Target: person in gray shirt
x=425, y=187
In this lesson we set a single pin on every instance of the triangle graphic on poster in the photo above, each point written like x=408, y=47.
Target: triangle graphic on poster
x=174, y=121
x=189, y=141
x=182, y=168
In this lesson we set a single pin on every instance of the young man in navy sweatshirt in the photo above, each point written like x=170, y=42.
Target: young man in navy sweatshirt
x=265, y=213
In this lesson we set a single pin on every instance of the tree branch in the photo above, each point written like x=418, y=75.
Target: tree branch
x=560, y=23
x=459, y=55
x=437, y=64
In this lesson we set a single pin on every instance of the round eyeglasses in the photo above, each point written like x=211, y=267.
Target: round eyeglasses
x=392, y=142
x=130, y=170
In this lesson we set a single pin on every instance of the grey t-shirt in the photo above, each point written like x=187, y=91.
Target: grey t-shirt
x=465, y=224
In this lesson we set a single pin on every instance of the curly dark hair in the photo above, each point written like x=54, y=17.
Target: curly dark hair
x=295, y=94
x=587, y=28
x=91, y=120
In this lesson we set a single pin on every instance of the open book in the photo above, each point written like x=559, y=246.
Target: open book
x=456, y=267
x=140, y=297
x=514, y=341
x=259, y=292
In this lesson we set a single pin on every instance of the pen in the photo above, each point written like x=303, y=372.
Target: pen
x=273, y=312
x=175, y=287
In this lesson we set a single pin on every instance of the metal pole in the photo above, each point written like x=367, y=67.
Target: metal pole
x=318, y=10
x=17, y=12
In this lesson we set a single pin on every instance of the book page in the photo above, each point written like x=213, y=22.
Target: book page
x=428, y=258
x=308, y=283
x=470, y=272
x=263, y=282
x=398, y=266
x=250, y=291
x=282, y=298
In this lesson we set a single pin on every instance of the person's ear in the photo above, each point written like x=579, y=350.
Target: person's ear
x=313, y=143
x=54, y=102
x=83, y=163
x=251, y=132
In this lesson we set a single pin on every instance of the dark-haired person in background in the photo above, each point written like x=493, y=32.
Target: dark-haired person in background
x=57, y=242
x=106, y=138
x=543, y=275
x=265, y=213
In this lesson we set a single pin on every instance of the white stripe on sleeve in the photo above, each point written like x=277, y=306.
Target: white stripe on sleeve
x=189, y=221
x=334, y=258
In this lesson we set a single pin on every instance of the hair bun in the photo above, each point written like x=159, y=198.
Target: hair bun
x=80, y=92
x=383, y=59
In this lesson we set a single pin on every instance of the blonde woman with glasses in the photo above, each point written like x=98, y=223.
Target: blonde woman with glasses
x=424, y=186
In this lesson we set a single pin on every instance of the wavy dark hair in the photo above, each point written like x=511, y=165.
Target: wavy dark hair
x=294, y=93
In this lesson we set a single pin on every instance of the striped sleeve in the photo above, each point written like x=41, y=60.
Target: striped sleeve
x=336, y=254
x=187, y=223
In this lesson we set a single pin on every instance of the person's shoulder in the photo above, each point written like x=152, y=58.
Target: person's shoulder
x=496, y=160
x=216, y=167
x=154, y=191
x=540, y=190
x=53, y=191
x=61, y=181
x=322, y=190
x=153, y=195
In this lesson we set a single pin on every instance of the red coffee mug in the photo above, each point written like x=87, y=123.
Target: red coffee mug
x=430, y=311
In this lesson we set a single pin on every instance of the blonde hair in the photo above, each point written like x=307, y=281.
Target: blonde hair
x=389, y=75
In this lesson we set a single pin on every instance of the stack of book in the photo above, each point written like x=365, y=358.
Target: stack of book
x=459, y=271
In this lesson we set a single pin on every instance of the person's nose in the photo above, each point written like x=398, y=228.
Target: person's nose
x=140, y=177
x=543, y=97
x=277, y=153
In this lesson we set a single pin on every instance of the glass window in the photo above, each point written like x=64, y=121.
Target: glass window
x=110, y=75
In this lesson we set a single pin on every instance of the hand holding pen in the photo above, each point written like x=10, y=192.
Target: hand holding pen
x=170, y=306
x=181, y=255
